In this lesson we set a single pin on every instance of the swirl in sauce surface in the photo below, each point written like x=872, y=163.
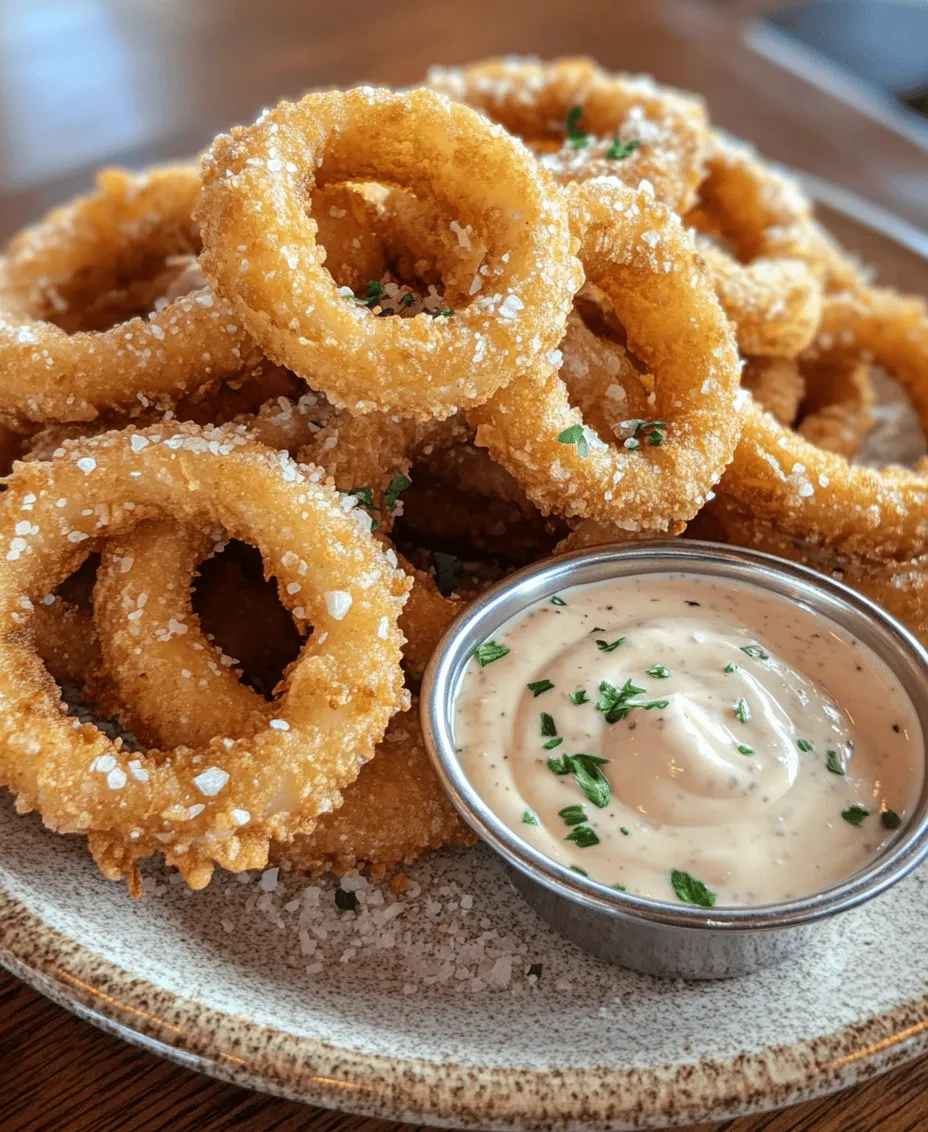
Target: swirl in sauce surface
x=743, y=736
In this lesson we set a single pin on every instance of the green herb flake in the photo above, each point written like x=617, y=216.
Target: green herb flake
x=547, y=724
x=488, y=652
x=890, y=819
x=745, y=750
x=804, y=745
x=833, y=763
x=529, y=817
x=577, y=869
x=559, y=765
x=374, y=289
x=650, y=705
x=448, y=569
x=730, y=667
x=538, y=686
x=652, y=431
x=558, y=600
x=590, y=778
x=690, y=890
x=613, y=701
x=364, y=495
x=854, y=815
x=609, y=646
x=619, y=150
x=395, y=488
x=573, y=815
x=583, y=837
x=579, y=697
x=755, y=652
x=551, y=744
x=345, y=901
x=443, y=314
x=618, y=887
x=742, y=710
x=578, y=138
x=623, y=831
x=659, y=672
x=576, y=435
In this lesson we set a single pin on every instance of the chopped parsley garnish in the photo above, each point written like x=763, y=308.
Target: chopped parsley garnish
x=364, y=495
x=588, y=776
x=529, y=817
x=573, y=815
x=374, y=289
x=395, y=488
x=538, y=686
x=579, y=697
x=535, y=969
x=577, y=869
x=547, y=724
x=578, y=138
x=890, y=819
x=742, y=710
x=833, y=763
x=408, y=299
x=690, y=890
x=488, y=652
x=659, y=672
x=854, y=815
x=582, y=836
x=619, y=887
x=345, y=901
x=623, y=830
x=804, y=745
x=447, y=572
x=609, y=646
x=743, y=749
x=652, y=431
x=755, y=652
x=371, y=295
x=619, y=150
x=730, y=667
x=576, y=435
x=613, y=701
x=443, y=314
x=650, y=705
x=558, y=600
x=551, y=744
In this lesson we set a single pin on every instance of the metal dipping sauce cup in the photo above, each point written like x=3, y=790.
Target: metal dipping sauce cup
x=653, y=936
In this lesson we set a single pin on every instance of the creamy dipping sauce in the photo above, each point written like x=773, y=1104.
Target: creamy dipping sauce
x=683, y=737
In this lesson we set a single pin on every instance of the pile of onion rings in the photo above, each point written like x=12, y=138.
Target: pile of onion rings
x=270, y=424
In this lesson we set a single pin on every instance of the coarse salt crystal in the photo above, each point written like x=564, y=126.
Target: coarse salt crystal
x=337, y=602
x=211, y=781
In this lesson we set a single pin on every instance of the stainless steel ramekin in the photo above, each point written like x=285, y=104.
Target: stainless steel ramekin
x=650, y=935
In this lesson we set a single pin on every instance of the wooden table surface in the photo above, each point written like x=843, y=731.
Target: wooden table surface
x=136, y=81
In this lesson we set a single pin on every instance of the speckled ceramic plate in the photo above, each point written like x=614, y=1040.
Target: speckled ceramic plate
x=449, y=1002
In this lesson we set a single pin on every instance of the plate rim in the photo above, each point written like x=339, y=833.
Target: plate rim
x=262, y=1057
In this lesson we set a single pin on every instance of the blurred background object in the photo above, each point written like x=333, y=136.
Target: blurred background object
x=875, y=50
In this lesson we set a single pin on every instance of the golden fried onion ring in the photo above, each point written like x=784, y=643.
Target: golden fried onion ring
x=260, y=248
x=532, y=99
x=640, y=256
x=130, y=223
x=220, y=804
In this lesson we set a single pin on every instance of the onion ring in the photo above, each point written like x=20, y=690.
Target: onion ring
x=255, y=193
x=640, y=256
x=340, y=692
x=632, y=128
x=837, y=410
x=119, y=231
x=776, y=384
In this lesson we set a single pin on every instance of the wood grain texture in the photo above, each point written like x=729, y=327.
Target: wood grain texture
x=137, y=81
